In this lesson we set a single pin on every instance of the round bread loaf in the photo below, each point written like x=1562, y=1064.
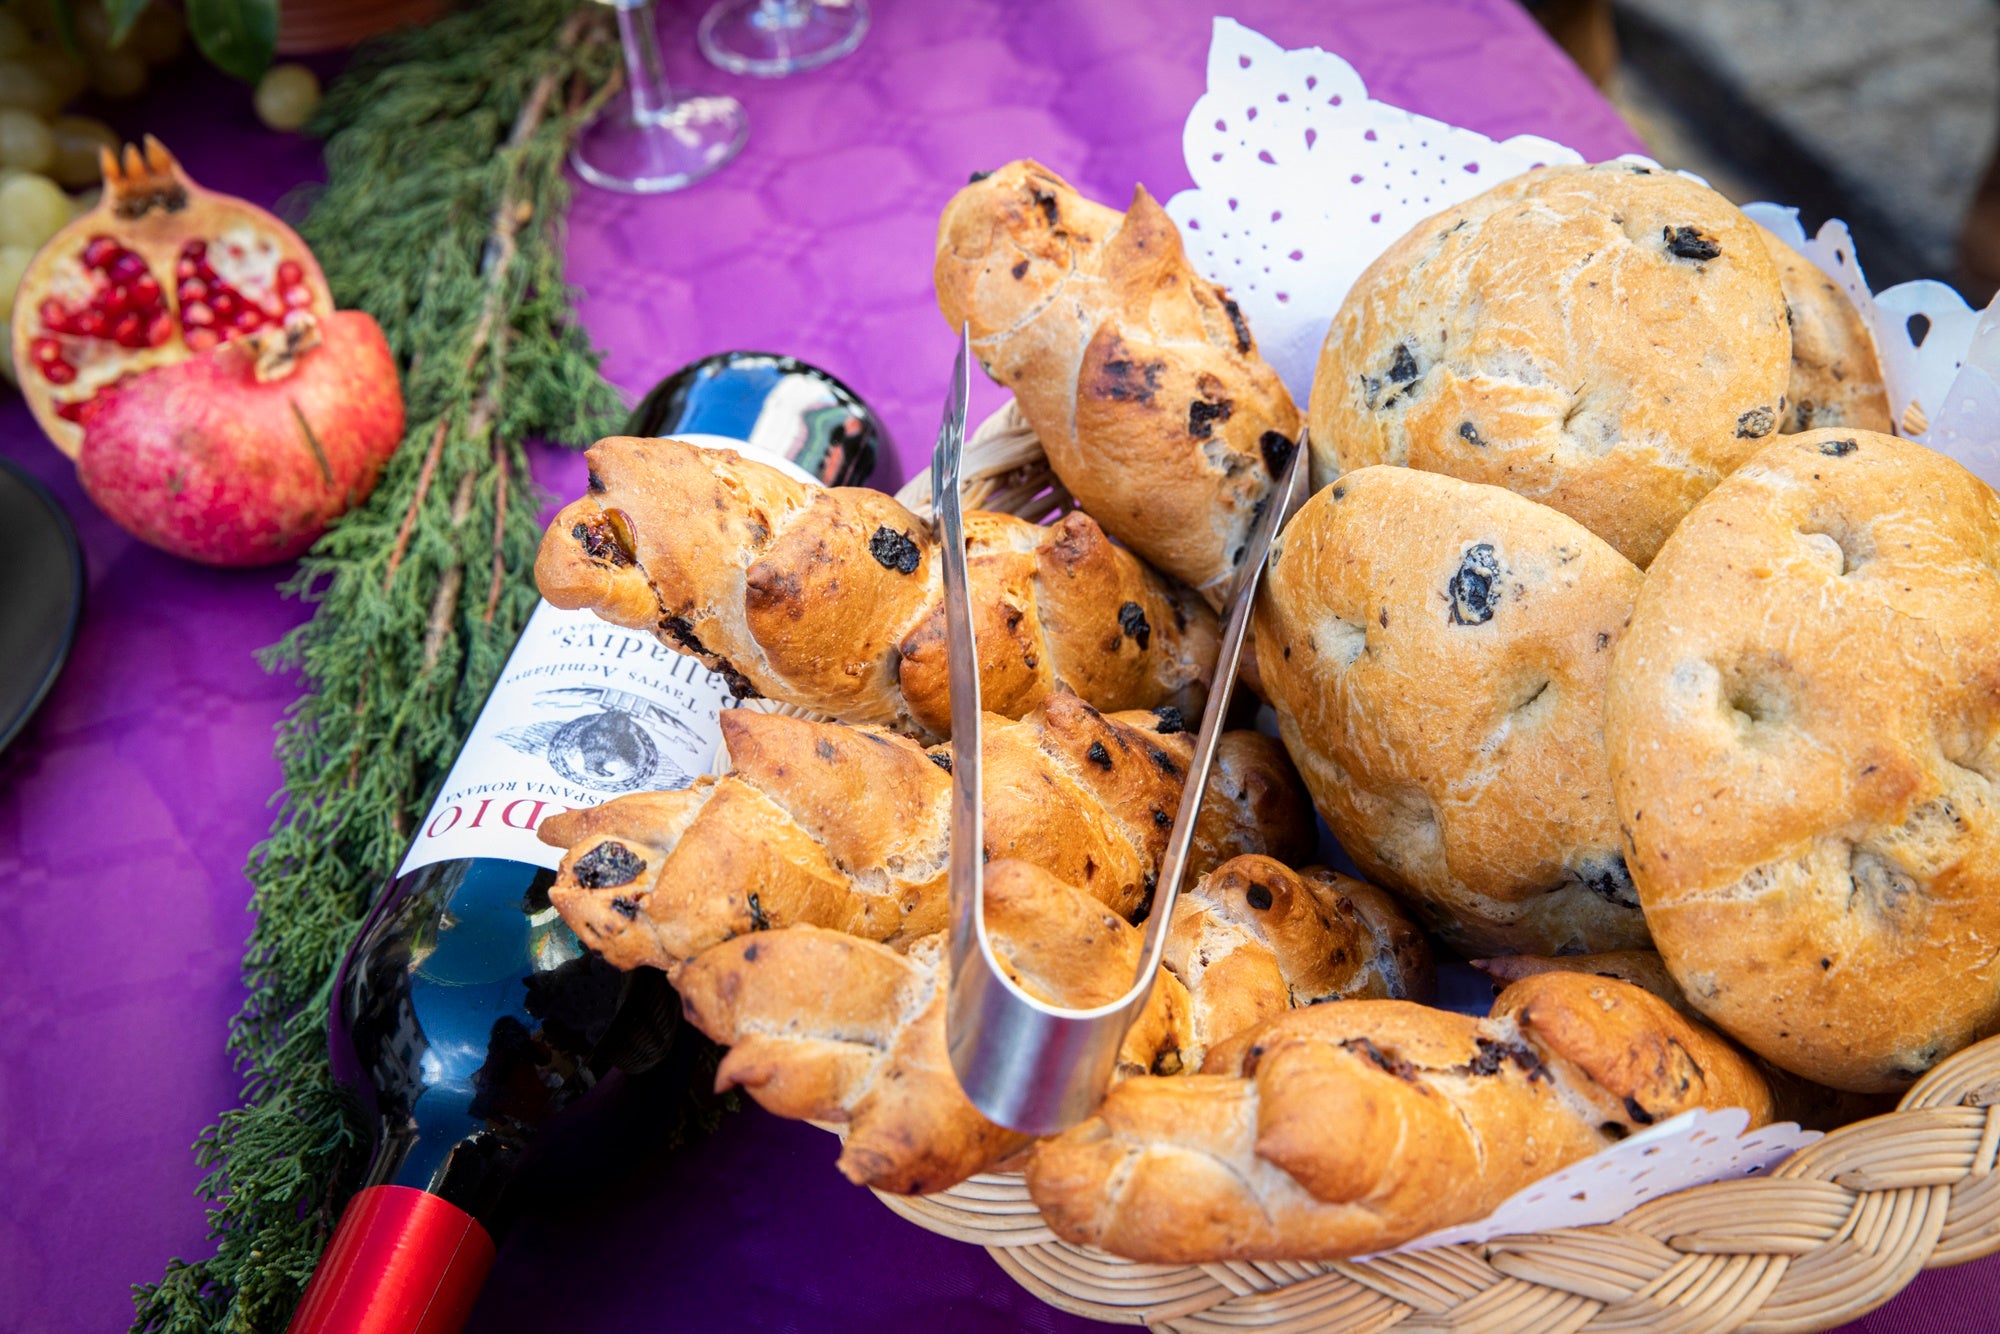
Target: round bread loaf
x=1607, y=340
x=1804, y=729
x=1437, y=652
x=1836, y=379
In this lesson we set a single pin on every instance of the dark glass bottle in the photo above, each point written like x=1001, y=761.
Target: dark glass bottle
x=466, y=1015
x=779, y=405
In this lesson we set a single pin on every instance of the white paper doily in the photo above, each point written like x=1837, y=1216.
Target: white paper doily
x=1302, y=179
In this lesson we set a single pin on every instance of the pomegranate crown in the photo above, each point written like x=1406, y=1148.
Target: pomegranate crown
x=143, y=180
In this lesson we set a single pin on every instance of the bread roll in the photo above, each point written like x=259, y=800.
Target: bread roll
x=1804, y=729
x=822, y=1026
x=1253, y=939
x=1607, y=340
x=849, y=828
x=1836, y=379
x=832, y=599
x=1359, y=1125
x=1437, y=652
x=1139, y=375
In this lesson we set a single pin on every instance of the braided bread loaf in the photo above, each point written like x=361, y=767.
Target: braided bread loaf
x=1138, y=374
x=1255, y=938
x=831, y=599
x=849, y=828
x=824, y=1027
x=1359, y=1125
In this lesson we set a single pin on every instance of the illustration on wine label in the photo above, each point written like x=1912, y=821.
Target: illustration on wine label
x=583, y=711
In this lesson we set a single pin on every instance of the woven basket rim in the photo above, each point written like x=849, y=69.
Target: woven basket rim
x=1830, y=1234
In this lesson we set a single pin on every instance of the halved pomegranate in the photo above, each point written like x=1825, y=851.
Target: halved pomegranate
x=159, y=271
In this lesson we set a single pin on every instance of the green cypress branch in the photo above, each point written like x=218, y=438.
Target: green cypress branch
x=441, y=217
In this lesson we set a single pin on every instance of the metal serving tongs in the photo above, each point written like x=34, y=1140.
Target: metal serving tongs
x=1030, y=1066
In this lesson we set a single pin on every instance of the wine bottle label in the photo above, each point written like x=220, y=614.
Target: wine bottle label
x=583, y=712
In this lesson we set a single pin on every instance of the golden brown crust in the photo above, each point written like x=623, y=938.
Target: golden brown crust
x=849, y=828
x=1437, y=653
x=1267, y=810
x=1804, y=727
x=1836, y=379
x=830, y=599
x=1139, y=376
x=825, y=1027
x=1358, y=1125
x=1644, y=969
x=1254, y=938
x=1607, y=340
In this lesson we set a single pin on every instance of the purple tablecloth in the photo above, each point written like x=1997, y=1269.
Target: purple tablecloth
x=127, y=808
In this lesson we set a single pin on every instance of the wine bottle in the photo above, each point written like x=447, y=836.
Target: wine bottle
x=467, y=1015
x=779, y=405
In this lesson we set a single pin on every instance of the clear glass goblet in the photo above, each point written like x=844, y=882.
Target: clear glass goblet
x=771, y=38
x=651, y=141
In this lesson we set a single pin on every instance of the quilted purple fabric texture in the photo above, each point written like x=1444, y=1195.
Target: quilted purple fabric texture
x=127, y=808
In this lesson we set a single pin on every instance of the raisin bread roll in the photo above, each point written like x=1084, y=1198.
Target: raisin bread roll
x=1607, y=340
x=832, y=598
x=1804, y=729
x=849, y=828
x=1793, y=1098
x=1139, y=375
x=1437, y=653
x=1254, y=938
x=1836, y=379
x=822, y=1026
x=1359, y=1125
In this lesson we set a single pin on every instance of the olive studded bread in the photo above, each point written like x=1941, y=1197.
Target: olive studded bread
x=1437, y=653
x=1836, y=379
x=832, y=598
x=822, y=1026
x=1139, y=375
x=1254, y=938
x=1356, y=1126
x=1804, y=732
x=849, y=828
x=1607, y=340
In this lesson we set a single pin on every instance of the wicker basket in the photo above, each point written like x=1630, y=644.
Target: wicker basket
x=1833, y=1232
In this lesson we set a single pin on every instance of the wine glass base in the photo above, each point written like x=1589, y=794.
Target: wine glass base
x=770, y=40
x=682, y=144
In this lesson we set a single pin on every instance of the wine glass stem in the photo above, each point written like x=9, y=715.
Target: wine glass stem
x=644, y=73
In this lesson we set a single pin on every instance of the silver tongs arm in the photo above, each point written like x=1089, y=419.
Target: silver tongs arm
x=1026, y=1064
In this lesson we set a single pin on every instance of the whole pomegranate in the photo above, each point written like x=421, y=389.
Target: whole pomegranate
x=181, y=345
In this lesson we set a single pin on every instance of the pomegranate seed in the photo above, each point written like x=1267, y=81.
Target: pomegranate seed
x=71, y=410
x=115, y=301
x=59, y=372
x=225, y=304
x=145, y=291
x=184, y=269
x=160, y=330
x=194, y=289
x=197, y=315
x=127, y=267
x=290, y=274
x=100, y=251
x=45, y=351
x=194, y=249
x=298, y=296
x=129, y=331
x=200, y=340
x=248, y=318
x=52, y=313
x=91, y=324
